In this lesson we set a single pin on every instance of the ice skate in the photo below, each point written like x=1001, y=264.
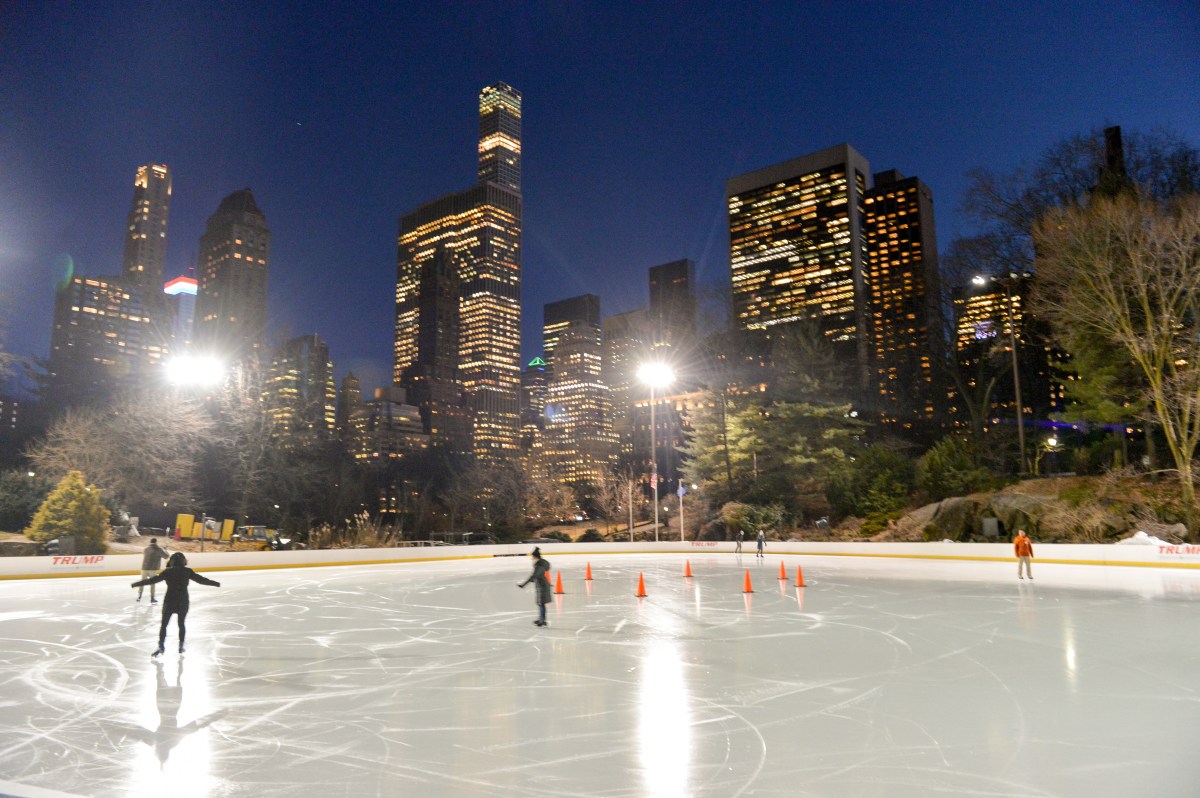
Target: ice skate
x=158, y=652
x=181, y=648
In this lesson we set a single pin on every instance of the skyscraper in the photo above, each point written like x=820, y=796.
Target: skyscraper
x=673, y=303
x=146, y=231
x=797, y=247
x=627, y=345
x=102, y=341
x=558, y=316
x=481, y=229
x=231, y=300
x=299, y=395
x=579, y=442
x=431, y=381
x=903, y=292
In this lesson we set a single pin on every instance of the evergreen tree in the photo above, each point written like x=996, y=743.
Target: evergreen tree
x=72, y=508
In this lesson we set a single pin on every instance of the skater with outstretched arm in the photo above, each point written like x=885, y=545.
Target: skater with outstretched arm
x=541, y=581
x=176, y=575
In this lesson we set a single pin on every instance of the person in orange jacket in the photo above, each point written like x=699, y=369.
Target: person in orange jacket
x=1024, y=549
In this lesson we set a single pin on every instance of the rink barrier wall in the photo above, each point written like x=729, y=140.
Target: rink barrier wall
x=1185, y=556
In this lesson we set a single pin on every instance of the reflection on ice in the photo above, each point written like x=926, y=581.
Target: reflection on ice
x=664, y=721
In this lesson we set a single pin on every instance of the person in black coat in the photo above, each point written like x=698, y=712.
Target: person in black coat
x=541, y=581
x=176, y=575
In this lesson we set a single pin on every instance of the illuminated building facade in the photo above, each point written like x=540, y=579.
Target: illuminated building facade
x=988, y=317
x=231, y=299
x=102, y=341
x=579, y=442
x=558, y=316
x=797, y=247
x=386, y=428
x=480, y=229
x=299, y=396
x=902, y=290
x=673, y=303
x=146, y=230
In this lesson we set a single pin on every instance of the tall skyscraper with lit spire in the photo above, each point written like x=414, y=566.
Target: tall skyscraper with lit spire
x=146, y=230
x=480, y=230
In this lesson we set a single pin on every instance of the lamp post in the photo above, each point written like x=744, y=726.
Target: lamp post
x=655, y=374
x=1012, y=345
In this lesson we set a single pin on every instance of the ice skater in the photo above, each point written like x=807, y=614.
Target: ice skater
x=740, y=537
x=152, y=557
x=762, y=544
x=1024, y=549
x=176, y=575
x=541, y=580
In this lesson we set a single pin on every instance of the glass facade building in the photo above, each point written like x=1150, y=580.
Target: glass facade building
x=231, y=298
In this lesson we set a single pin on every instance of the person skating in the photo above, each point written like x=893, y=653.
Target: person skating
x=541, y=581
x=176, y=575
x=762, y=543
x=1023, y=546
x=740, y=537
x=152, y=557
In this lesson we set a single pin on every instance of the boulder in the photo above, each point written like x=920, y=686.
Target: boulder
x=957, y=518
x=1018, y=511
x=18, y=547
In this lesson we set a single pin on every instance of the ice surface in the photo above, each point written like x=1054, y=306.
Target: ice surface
x=879, y=678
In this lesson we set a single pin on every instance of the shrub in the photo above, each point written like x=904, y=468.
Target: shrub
x=952, y=468
x=878, y=480
x=590, y=536
x=563, y=537
x=72, y=508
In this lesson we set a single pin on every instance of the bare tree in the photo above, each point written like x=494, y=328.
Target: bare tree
x=1127, y=271
x=144, y=449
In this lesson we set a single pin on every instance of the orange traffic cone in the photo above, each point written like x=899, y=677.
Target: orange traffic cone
x=799, y=577
x=782, y=571
x=588, y=577
x=558, y=583
x=641, y=591
x=747, y=588
x=687, y=568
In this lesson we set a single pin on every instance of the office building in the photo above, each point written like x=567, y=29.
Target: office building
x=797, y=247
x=102, y=342
x=298, y=395
x=431, y=381
x=903, y=290
x=480, y=228
x=579, y=443
x=626, y=345
x=231, y=299
x=558, y=316
x=673, y=304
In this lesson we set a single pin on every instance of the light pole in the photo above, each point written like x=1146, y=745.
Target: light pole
x=1012, y=346
x=656, y=374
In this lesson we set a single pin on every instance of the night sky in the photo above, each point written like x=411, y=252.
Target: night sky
x=342, y=117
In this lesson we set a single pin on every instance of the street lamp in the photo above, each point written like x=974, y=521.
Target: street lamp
x=655, y=374
x=1012, y=345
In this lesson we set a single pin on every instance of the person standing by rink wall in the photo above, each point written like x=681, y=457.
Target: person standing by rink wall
x=740, y=536
x=1024, y=549
x=176, y=602
x=541, y=581
x=152, y=557
x=762, y=543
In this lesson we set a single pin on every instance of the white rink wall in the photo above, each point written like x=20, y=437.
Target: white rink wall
x=1151, y=556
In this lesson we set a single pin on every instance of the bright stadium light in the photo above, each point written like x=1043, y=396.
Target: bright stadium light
x=655, y=374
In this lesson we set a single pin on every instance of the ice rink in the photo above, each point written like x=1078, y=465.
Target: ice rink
x=885, y=678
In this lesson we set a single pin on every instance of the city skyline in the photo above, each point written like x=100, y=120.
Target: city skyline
x=634, y=119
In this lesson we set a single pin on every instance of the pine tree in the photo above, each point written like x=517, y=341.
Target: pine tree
x=72, y=508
